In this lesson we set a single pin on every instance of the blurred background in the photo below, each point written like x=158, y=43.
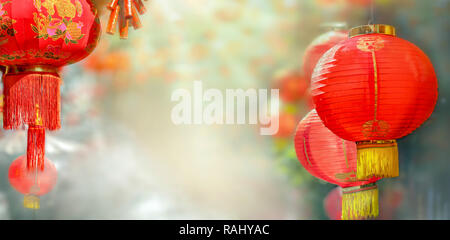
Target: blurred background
x=119, y=156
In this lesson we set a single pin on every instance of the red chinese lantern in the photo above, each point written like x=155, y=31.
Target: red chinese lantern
x=333, y=204
x=318, y=47
x=292, y=85
x=332, y=159
x=32, y=183
x=374, y=88
x=124, y=13
x=39, y=37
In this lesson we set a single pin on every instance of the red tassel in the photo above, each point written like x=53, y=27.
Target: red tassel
x=36, y=148
x=25, y=93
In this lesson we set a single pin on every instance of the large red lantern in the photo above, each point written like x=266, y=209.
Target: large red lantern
x=32, y=183
x=374, y=88
x=332, y=159
x=318, y=47
x=37, y=38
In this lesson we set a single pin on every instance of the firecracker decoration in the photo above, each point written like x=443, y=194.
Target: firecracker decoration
x=32, y=182
x=332, y=159
x=318, y=47
x=374, y=88
x=38, y=38
x=124, y=13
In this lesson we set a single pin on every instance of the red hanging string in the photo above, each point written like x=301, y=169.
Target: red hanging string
x=36, y=148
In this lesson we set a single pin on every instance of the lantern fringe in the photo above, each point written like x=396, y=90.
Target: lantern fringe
x=377, y=159
x=361, y=203
x=25, y=93
x=35, y=148
x=31, y=201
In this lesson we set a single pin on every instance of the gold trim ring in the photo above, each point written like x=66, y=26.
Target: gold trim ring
x=376, y=144
x=30, y=68
x=370, y=29
x=361, y=188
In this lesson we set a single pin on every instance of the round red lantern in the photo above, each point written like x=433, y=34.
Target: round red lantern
x=37, y=38
x=318, y=47
x=374, y=88
x=32, y=183
x=333, y=204
x=332, y=159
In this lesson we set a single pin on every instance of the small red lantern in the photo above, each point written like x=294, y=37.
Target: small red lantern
x=318, y=47
x=332, y=159
x=292, y=85
x=374, y=88
x=32, y=183
x=39, y=37
x=333, y=204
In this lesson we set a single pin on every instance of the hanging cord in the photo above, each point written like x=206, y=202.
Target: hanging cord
x=371, y=12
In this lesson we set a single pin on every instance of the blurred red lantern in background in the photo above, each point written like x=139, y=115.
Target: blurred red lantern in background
x=318, y=47
x=360, y=2
x=332, y=159
x=292, y=85
x=391, y=200
x=354, y=2
x=333, y=204
x=114, y=61
x=374, y=88
x=39, y=37
x=287, y=123
x=32, y=183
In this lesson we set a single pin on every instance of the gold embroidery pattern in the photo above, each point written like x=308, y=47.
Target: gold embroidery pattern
x=346, y=177
x=58, y=23
x=51, y=52
x=6, y=24
x=369, y=44
x=12, y=56
x=306, y=151
x=373, y=128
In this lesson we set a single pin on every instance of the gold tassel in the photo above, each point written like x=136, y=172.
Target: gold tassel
x=377, y=158
x=360, y=202
x=31, y=201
